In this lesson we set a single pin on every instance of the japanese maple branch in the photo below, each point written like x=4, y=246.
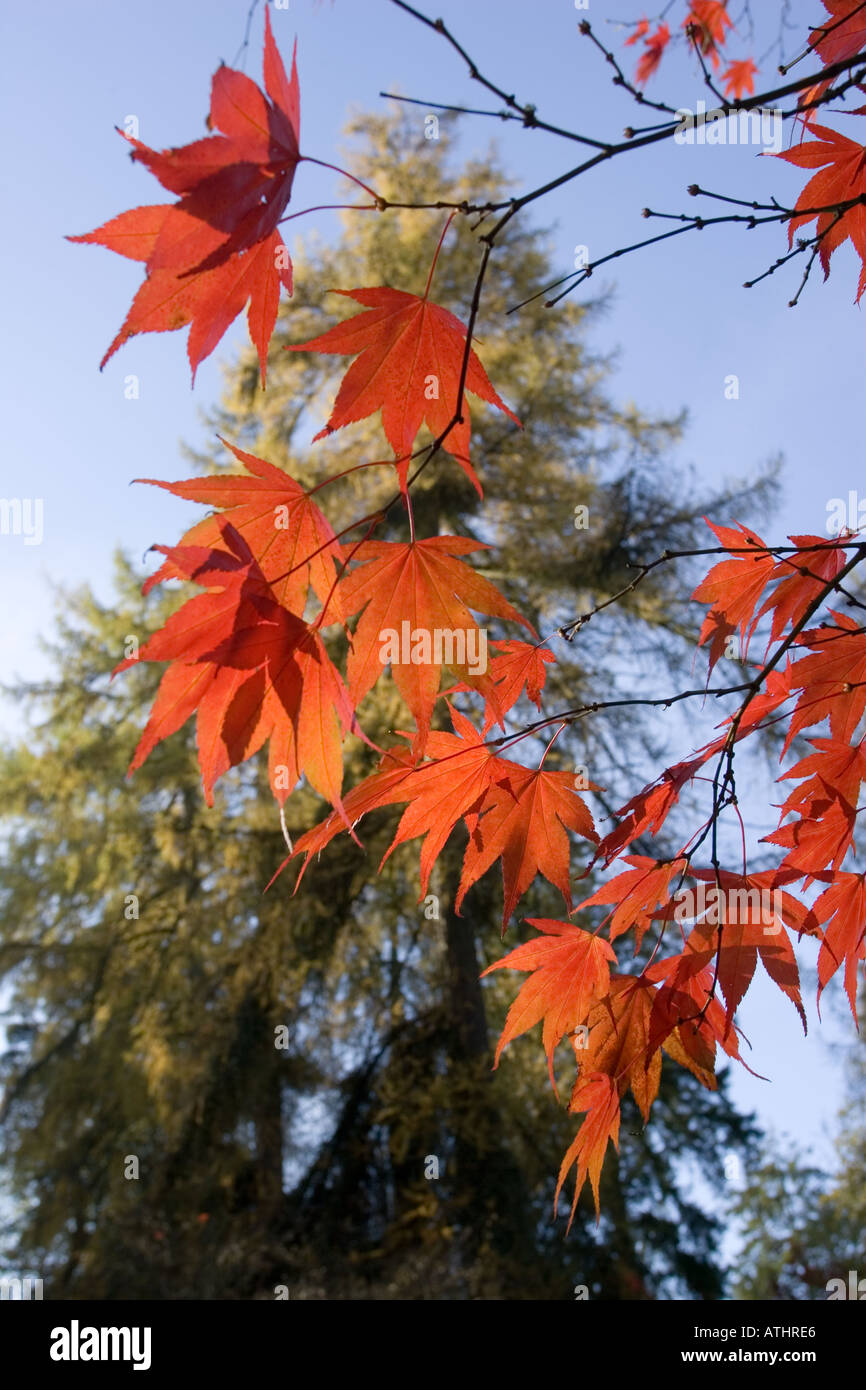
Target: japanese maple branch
x=606, y=150
x=568, y=630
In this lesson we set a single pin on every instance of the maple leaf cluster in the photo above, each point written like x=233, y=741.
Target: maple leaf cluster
x=244, y=656
x=834, y=197
x=217, y=249
x=255, y=671
x=673, y=1004
x=255, y=655
x=705, y=26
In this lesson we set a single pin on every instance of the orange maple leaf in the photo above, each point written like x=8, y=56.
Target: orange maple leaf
x=596, y=1094
x=450, y=787
x=619, y=1040
x=512, y=813
x=686, y=1021
x=843, y=906
x=411, y=357
x=524, y=824
x=640, y=894
x=618, y=1056
x=733, y=945
x=571, y=969
x=415, y=590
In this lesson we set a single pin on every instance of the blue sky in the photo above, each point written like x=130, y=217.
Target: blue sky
x=680, y=321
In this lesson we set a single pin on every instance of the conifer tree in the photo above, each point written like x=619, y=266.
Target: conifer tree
x=803, y=1223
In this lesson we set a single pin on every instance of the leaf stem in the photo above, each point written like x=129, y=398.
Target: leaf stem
x=331, y=207
x=323, y=164
x=436, y=255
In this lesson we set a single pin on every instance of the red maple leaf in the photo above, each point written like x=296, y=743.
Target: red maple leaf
x=654, y=48
x=687, y=1021
x=832, y=681
x=217, y=248
x=733, y=588
x=843, y=178
x=570, y=971
x=291, y=539
x=777, y=689
x=804, y=577
x=844, y=34
x=650, y=808
x=641, y=28
x=733, y=945
x=823, y=835
x=706, y=23
x=761, y=894
x=837, y=767
x=410, y=362
x=739, y=78
x=251, y=670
